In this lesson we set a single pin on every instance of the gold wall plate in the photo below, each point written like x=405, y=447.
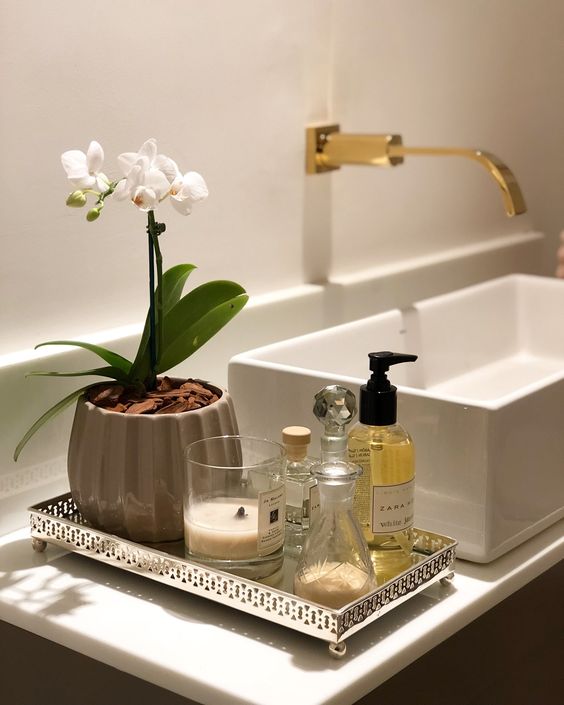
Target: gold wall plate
x=315, y=142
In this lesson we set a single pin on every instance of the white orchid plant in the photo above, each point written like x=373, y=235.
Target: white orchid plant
x=177, y=325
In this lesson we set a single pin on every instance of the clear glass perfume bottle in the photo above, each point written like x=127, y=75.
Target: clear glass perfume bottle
x=302, y=497
x=335, y=566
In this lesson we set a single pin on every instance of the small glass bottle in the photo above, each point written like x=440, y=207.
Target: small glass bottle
x=335, y=566
x=302, y=498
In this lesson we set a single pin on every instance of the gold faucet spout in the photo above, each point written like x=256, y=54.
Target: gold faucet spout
x=511, y=192
x=328, y=149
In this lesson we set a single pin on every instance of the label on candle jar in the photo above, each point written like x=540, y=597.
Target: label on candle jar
x=271, y=520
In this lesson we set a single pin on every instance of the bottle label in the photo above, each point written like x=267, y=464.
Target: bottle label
x=314, y=503
x=271, y=520
x=361, y=503
x=392, y=507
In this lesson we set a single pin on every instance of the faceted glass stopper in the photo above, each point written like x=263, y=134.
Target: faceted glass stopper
x=334, y=405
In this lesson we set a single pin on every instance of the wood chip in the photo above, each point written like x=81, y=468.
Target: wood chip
x=165, y=384
x=106, y=394
x=175, y=408
x=163, y=395
x=119, y=408
x=142, y=407
x=202, y=401
x=197, y=388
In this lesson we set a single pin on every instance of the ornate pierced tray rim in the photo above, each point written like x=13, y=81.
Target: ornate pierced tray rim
x=55, y=521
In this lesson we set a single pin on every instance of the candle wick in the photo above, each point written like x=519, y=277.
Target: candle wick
x=240, y=513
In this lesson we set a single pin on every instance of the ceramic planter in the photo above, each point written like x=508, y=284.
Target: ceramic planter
x=126, y=471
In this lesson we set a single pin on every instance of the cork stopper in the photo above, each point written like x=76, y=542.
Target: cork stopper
x=296, y=439
x=296, y=435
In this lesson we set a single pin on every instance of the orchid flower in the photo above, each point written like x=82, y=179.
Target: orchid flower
x=146, y=187
x=83, y=170
x=148, y=179
x=148, y=176
x=151, y=160
x=186, y=190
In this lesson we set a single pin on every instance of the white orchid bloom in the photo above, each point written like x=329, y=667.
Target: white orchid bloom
x=148, y=176
x=148, y=154
x=144, y=186
x=187, y=190
x=83, y=170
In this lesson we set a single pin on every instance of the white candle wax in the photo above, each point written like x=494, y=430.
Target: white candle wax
x=213, y=528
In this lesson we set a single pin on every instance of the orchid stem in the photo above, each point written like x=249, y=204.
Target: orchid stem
x=152, y=315
x=156, y=319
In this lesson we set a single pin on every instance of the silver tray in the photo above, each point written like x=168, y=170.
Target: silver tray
x=58, y=521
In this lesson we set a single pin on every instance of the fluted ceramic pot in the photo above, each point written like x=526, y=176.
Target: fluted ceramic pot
x=126, y=471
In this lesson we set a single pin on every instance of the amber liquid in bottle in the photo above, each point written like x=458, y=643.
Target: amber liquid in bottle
x=383, y=501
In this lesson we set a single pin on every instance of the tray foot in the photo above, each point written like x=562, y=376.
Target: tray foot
x=38, y=545
x=447, y=579
x=337, y=649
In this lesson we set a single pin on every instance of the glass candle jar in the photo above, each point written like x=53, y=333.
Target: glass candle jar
x=234, y=505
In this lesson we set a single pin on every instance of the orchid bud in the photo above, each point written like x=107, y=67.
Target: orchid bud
x=93, y=214
x=76, y=199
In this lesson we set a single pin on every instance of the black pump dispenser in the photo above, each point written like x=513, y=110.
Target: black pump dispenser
x=378, y=401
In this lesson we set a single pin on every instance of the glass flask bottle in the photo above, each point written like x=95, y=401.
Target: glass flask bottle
x=335, y=566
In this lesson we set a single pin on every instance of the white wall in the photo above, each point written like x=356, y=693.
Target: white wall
x=466, y=73
x=225, y=87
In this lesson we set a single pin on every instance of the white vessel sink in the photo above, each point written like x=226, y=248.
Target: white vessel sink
x=484, y=402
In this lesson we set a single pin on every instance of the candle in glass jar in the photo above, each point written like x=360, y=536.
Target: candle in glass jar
x=224, y=528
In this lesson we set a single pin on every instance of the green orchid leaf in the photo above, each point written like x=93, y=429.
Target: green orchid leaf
x=173, y=283
x=111, y=372
x=53, y=411
x=107, y=355
x=174, y=280
x=196, y=304
x=197, y=317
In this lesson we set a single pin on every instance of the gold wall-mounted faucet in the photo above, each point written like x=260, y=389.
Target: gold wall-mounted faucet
x=327, y=149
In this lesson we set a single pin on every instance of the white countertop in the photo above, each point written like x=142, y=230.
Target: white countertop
x=217, y=655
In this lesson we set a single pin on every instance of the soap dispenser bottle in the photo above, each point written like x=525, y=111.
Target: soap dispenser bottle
x=383, y=501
